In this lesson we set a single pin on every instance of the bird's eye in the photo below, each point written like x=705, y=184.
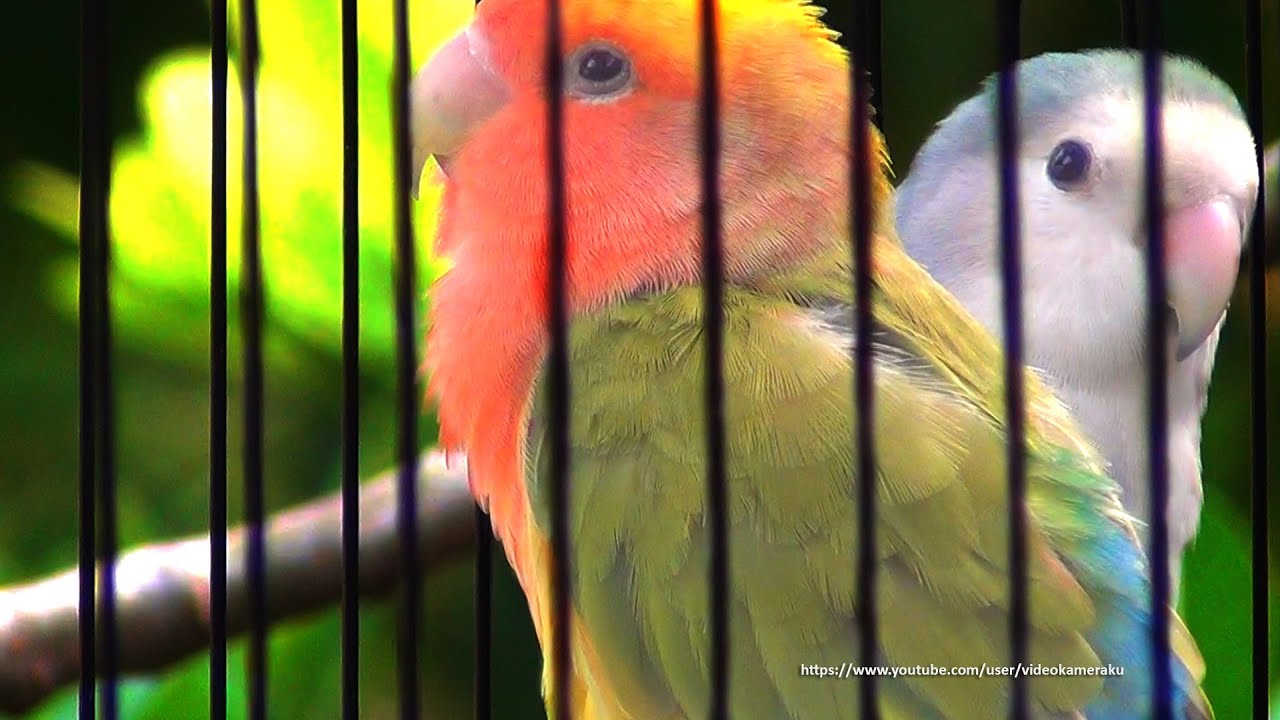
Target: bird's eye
x=598, y=71
x=1069, y=164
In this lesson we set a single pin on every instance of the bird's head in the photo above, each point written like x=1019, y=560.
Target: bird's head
x=630, y=67
x=1081, y=168
x=632, y=96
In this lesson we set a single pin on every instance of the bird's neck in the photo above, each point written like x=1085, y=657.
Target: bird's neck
x=1113, y=411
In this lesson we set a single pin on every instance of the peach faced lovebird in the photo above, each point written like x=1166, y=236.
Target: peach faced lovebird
x=637, y=516
x=1084, y=239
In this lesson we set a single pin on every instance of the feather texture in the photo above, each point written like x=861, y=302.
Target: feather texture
x=637, y=510
x=638, y=521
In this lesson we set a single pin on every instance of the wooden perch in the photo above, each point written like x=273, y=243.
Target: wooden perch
x=163, y=589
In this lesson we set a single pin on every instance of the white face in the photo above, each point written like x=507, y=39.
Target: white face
x=1084, y=265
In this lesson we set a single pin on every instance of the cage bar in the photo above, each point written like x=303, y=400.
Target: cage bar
x=108, y=547
x=1009, y=25
x=866, y=60
x=350, y=363
x=1258, y=465
x=483, y=671
x=94, y=182
x=406, y=375
x=558, y=367
x=218, y=364
x=713, y=315
x=251, y=319
x=1158, y=358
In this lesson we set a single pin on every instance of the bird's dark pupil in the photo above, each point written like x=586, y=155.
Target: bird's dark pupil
x=1069, y=163
x=600, y=66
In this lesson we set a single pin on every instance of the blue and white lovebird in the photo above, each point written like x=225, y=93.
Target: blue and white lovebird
x=1081, y=180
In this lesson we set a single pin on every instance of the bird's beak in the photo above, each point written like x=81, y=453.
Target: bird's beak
x=1202, y=257
x=452, y=94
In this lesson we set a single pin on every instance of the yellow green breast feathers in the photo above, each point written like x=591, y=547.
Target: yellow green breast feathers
x=637, y=516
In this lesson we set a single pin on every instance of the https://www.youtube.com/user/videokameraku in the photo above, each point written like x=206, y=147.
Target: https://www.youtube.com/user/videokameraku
x=853, y=670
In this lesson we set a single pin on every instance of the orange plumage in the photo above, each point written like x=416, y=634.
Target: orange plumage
x=633, y=205
x=488, y=331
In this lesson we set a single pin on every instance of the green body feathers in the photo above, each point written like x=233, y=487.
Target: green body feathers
x=638, y=518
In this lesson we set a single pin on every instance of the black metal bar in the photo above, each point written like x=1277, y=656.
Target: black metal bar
x=407, y=393
x=103, y=389
x=1258, y=367
x=713, y=290
x=218, y=366
x=108, y=548
x=88, y=460
x=251, y=320
x=350, y=363
x=109, y=650
x=1158, y=357
x=94, y=164
x=1009, y=25
x=865, y=41
x=558, y=383
x=484, y=617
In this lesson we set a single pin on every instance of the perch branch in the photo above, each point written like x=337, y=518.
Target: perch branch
x=163, y=589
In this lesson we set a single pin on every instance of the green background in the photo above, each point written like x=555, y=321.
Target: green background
x=936, y=51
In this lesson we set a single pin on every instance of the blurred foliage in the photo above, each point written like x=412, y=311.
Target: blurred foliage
x=936, y=51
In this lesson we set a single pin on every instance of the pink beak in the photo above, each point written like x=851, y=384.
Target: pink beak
x=1202, y=257
x=451, y=95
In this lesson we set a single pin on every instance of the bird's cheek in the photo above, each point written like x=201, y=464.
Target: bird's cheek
x=1202, y=256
